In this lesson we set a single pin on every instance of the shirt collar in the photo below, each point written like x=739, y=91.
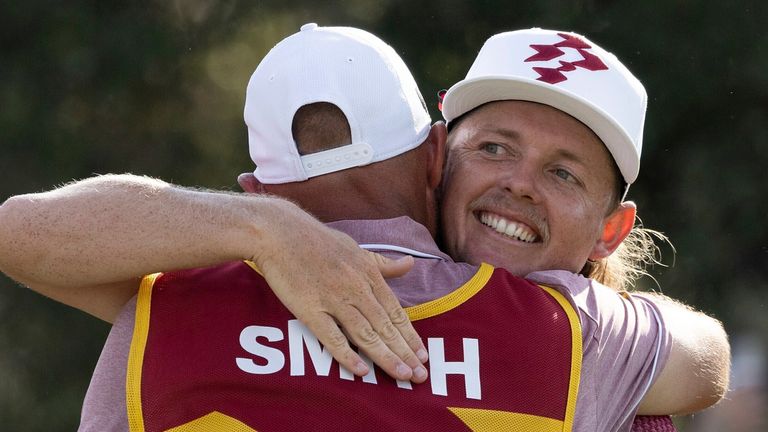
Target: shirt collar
x=401, y=231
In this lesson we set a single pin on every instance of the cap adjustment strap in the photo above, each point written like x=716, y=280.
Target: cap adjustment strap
x=337, y=159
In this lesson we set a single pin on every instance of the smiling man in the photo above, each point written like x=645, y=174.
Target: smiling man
x=545, y=139
x=561, y=178
x=546, y=135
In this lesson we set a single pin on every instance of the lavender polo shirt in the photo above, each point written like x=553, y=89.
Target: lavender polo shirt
x=625, y=342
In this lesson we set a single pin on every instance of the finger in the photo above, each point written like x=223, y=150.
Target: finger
x=399, y=318
x=390, y=268
x=391, y=341
x=402, y=322
x=335, y=341
x=362, y=334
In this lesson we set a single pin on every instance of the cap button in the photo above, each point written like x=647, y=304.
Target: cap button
x=308, y=26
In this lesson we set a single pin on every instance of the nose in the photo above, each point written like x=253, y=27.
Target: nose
x=520, y=180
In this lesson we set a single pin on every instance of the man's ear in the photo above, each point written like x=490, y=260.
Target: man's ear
x=436, y=154
x=250, y=183
x=434, y=146
x=616, y=228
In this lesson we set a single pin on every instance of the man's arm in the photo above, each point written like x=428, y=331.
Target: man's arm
x=696, y=373
x=88, y=244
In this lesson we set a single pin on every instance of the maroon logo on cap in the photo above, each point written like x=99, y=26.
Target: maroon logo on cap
x=440, y=97
x=588, y=60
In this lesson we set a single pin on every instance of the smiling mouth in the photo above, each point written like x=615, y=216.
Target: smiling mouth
x=514, y=230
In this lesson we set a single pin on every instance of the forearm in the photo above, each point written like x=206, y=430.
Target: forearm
x=696, y=373
x=87, y=245
x=114, y=229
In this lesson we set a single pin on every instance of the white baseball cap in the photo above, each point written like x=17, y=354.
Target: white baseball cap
x=347, y=67
x=566, y=71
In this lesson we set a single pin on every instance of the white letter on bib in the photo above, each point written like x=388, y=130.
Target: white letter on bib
x=273, y=356
x=439, y=368
x=370, y=377
x=299, y=336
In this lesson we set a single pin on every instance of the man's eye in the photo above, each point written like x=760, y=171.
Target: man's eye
x=492, y=148
x=565, y=175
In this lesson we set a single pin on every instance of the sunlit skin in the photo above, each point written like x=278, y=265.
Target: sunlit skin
x=537, y=168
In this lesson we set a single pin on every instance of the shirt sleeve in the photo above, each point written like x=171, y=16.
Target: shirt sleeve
x=104, y=407
x=625, y=346
x=633, y=346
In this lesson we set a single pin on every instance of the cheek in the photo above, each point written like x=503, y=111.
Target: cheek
x=575, y=218
x=579, y=227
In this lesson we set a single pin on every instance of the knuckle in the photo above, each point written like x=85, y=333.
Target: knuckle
x=379, y=259
x=367, y=336
x=388, y=332
x=398, y=317
x=337, y=340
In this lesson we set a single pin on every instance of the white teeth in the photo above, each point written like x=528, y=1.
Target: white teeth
x=501, y=226
x=508, y=228
x=519, y=232
x=527, y=237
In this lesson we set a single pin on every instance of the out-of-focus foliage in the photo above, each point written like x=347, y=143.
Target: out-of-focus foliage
x=157, y=88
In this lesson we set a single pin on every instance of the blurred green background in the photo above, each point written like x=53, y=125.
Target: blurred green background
x=157, y=88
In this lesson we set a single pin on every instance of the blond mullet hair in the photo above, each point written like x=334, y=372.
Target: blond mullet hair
x=629, y=262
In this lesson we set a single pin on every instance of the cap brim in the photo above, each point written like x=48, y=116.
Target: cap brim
x=469, y=94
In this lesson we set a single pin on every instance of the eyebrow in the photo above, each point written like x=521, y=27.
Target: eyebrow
x=565, y=154
x=506, y=133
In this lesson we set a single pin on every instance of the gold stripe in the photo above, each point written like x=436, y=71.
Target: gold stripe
x=440, y=304
x=136, y=356
x=576, y=354
x=482, y=420
x=252, y=265
x=213, y=422
x=454, y=299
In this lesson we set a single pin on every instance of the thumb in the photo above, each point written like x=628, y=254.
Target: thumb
x=390, y=268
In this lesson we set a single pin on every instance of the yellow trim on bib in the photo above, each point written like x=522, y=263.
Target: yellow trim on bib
x=454, y=299
x=136, y=356
x=440, y=304
x=576, y=355
x=213, y=422
x=252, y=265
x=482, y=420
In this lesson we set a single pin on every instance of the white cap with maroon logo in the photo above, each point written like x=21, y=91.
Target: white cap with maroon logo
x=566, y=71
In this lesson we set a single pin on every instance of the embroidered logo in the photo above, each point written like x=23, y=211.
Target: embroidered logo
x=550, y=75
